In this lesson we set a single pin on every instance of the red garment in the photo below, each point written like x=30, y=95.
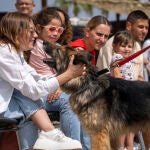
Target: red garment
x=81, y=43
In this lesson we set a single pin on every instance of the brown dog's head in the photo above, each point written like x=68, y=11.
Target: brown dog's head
x=60, y=57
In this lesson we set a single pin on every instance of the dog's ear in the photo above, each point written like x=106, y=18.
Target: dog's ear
x=70, y=51
x=81, y=56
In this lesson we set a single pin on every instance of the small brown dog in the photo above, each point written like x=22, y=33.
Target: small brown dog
x=106, y=106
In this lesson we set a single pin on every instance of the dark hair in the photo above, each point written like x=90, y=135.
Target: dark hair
x=44, y=16
x=97, y=20
x=66, y=36
x=135, y=15
x=122, y=37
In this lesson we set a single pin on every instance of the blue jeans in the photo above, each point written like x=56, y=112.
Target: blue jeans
x=69, y=122
x=85, y=140
x=21, y=107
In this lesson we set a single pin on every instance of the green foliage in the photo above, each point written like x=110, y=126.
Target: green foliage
x=65, y=4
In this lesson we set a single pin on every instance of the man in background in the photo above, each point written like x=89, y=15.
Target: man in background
x=25, y=6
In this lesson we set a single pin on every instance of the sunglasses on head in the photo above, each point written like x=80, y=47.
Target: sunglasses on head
x=52, y=29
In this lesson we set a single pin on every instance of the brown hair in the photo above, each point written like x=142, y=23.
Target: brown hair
x=45, y=16
x=97, y=20
x=135, y=15
x=122, y=37
x=11, y=25
x=66, y=36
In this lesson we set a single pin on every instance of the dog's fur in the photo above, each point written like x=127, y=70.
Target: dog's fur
x=106, y=106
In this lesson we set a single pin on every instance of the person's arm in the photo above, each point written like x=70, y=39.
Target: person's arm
x=73, y=71
x=68, y=75
x=116, y=71
x=54, y=96
x=16, y=73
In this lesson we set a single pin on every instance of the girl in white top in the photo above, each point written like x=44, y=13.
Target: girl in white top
x=21, y=87
x=123, y=46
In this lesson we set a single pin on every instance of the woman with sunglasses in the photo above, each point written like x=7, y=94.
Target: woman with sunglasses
x=49, y=28
x=21, y=88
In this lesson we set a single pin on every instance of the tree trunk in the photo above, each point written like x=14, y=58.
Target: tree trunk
x=44, y=3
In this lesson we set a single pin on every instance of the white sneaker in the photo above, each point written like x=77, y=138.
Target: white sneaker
x=55, y=140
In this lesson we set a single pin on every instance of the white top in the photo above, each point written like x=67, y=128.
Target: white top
x=126, y=70
x=106, y=53
x=16, y=73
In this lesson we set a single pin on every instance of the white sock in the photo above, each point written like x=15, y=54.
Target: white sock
x=51, y=132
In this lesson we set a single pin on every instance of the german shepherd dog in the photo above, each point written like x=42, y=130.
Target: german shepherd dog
x=106, y=106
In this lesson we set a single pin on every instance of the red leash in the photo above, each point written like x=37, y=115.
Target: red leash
x=122, y=62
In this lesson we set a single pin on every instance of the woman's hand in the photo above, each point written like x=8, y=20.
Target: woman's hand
x=75, y=70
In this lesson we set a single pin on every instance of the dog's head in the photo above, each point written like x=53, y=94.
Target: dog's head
x=60, y=57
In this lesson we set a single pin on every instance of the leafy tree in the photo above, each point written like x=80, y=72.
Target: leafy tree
x=65, y=4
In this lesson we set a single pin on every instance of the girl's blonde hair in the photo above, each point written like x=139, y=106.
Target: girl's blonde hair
x=11, y=25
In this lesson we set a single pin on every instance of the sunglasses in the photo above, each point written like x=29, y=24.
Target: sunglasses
x=53, y=29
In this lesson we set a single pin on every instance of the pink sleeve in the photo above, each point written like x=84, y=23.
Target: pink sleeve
x=36, y=61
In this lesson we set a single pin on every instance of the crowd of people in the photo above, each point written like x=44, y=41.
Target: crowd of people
x=32, y=88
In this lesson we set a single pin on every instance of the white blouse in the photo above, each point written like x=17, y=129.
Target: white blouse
x=126, y=70
x=16, y=73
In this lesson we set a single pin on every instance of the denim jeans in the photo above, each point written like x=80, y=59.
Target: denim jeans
x=85, y=140
x=21, y=107
x=69, y=122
